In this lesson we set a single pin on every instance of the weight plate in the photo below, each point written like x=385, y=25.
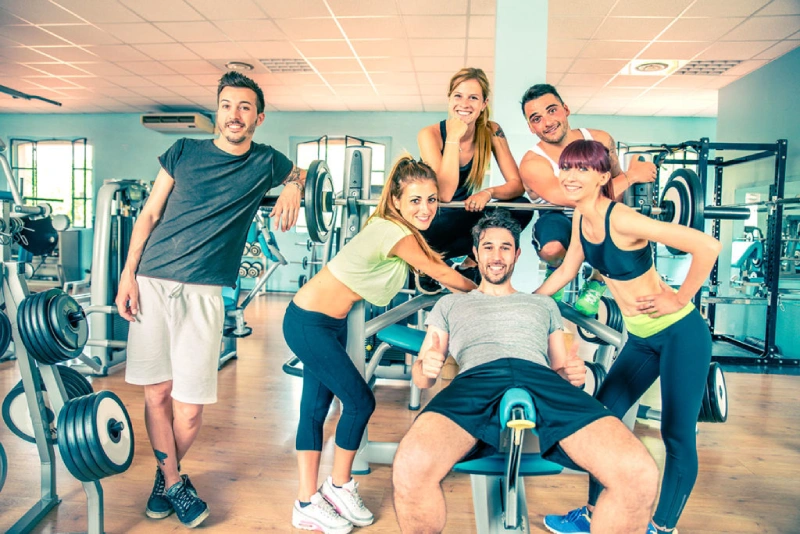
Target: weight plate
x=318, y=182
x=75, y=383
x=718, y=393
x=64, y=421
x=685, y=191
x=41, y=334
x=25, y=327
x=590, y=385
x=3, y=466
x=706, y=406
x=301, y=281
x=82, y=419
x=5, y=333
x=255, y=250
x=67, y=323
x=111, y=447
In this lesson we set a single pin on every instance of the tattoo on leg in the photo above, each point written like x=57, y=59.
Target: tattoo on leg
x=160, y=456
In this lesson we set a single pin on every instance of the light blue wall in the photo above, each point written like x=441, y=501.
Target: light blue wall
x=760, y=108
x=125, y=149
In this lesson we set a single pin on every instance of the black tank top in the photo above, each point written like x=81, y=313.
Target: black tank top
x=612, y=262
x=462, y=191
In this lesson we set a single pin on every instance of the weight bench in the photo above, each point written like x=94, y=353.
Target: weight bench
x=406, y=339
x=498, y=493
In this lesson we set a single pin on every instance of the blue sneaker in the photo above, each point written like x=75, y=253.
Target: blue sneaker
x=651, y=529
x=158, y=507
x=191, y=510
x=575, y=522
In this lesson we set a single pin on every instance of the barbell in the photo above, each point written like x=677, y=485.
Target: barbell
x=682, y=202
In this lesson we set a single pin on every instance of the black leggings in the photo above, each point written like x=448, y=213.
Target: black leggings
x=320, y=342
x=450, y=233
x=681, y=355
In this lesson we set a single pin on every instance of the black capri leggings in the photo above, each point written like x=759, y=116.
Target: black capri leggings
x=680, y=354
x=450, y=233
x=320, y=342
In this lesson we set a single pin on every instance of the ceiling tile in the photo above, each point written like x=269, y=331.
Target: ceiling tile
x=218, y=50
x=118, y=91
x=167, y=51
x=354, y=90
x=481, y=27
x=265, y=30
x=578, y=8
x=781, y=7
x=193, y=67
x=397, y=90
x=192, y=32
x=482, y=7
x=686, y=82
x=480, y=47
x=437, y=89
x=137, y=33
x=435, y=27
x=153, y=92
x=731, y=8
x=30, y=36
x=612, y=49
x=331, y=48
x=269, y=49
x=95, y=82
x=170, y=80
x=118, y=53
x=145, y=68
x=319, y=28
x=14, y=70
x=557, y=48
x=284, y=10
x=746, y=67
x=359, y=8
x=597, y=80
x=381, y=47
x=553, y=78
x=573, y=27
x=396, y=64
x=51, y=82
x=625, y=93
x=481, y=62
x=213, y=79
x=386, y=78
x=649, y=8
x=441, y=79
x=348, y=78
x=407, y=103
x=161, y=11
x=735, y=50
x=437, y=47
x=778, y=50
x=299, y=78
x=216, y=10
x=24, y=54
x=765, y=29
x=69, y=53
x=679, y=51
x=700, y=29
x=58, y=69
x=82, y=34
x=326, y=104
x=131, y=81
x=440, y=7
x=102, y=68
x=593, y=66
x=39, y=12
x=434, y=64
x=633, y=29
x=373, y=28
x=336, y=65
x=100, y=11
x=634, y=81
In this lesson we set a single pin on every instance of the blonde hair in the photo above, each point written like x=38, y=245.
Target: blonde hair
x=483, y=130
x=405, y=171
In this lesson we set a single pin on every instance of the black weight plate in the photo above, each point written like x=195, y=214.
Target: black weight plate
x=706, y=406
x=16, y=415
x=5, y=333
x=590, y=386
x=83, y=418
x=25, y=327
x=75, y=415
x=64, y=420
x=78, y=383
x=602, y=316
x=3, y=467
x=71, y=335
x=718, y=393
x=113, y=457
x=318, y=181
x=37, y=315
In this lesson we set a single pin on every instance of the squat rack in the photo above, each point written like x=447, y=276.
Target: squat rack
x=707, y=165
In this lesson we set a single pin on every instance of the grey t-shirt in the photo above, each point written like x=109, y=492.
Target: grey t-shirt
x=202, y=232
x=484, y=328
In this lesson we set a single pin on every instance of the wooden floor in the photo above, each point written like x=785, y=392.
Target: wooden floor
x=243, y=463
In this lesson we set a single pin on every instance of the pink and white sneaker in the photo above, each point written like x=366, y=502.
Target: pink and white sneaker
x=319, y=516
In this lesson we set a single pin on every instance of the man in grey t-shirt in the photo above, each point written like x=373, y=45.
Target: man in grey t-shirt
x=502, y=339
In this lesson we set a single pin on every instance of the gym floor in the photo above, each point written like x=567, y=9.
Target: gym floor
x=243, y=463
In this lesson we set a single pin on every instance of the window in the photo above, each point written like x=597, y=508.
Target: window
x=57, y=172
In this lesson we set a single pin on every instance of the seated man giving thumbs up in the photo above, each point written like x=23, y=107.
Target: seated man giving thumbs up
x=503, y=339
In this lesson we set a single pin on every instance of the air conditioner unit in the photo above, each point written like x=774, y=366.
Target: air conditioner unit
x=181, y=123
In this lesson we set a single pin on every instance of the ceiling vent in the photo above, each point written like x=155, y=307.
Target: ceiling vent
x=286, y=65
x=707, y=68
x=180, y=123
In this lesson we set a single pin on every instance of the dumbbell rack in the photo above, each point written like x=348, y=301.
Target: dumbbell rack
x=15, y=290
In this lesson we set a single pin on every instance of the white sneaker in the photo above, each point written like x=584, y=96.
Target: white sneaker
x=348, y=502
x=320, y=516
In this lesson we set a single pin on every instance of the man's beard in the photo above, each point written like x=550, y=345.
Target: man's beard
x=496, y=279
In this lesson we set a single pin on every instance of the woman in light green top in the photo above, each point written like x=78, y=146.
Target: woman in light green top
x=373, y=266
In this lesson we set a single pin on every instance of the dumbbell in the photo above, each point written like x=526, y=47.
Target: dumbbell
x=243, y=267
x=305, y=263
x=301, y=281
x=246, y=249
x=309, y=244
x=255, y=249
x=255, y=269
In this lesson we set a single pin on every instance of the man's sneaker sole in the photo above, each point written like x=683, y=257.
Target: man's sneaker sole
x=554, y=531
x=197, y=520
x=339, y=509
x=310, y=524
x=158, y=515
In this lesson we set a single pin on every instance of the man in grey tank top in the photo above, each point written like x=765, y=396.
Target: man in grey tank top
x=548, y=118
x=504, y=339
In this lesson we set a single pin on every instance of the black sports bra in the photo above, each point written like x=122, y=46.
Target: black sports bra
x=610, y=260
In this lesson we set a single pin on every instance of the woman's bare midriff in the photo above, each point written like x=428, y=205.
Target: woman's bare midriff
x=324, y=293
x=626, y=292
